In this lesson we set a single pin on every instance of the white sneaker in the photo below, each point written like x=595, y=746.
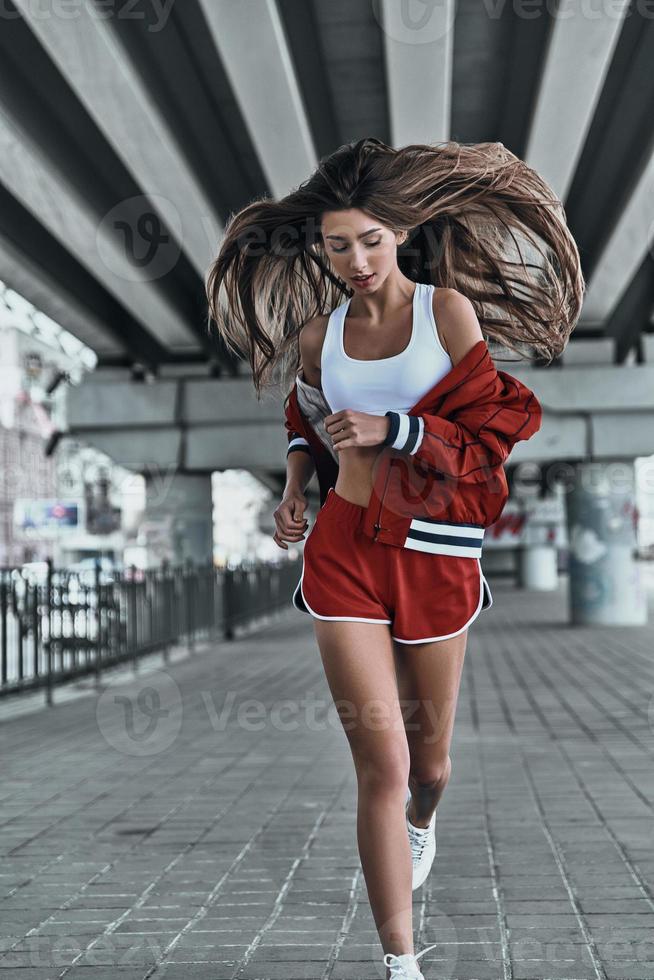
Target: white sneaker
x=405, y=966
x=423, y=846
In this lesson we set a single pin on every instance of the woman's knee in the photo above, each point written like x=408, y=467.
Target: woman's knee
x=383, y=765
x=429, y=773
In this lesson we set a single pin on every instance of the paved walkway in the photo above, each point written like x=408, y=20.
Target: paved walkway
x=200, y=822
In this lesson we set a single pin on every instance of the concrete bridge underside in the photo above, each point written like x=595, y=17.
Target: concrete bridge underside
x=601, y=412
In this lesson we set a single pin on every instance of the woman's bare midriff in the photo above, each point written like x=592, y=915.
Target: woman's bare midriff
x=356, y=464
x=356, y=473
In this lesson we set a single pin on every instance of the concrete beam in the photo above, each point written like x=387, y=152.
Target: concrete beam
x=591, y=388
x=567, y=97
x=34, y=283
x=156, y=452
x=250, y=40
x=418, y=60
x=115, y=96
x=611, y=435
x=600, y=350
x=623, y=435
x=621, y=258
x=29, y=174
x=151, y=452
x=195, y=401
x=559, y=437
x=200, y=425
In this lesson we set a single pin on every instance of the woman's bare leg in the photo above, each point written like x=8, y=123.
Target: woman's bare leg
x=360, y=670
x=429, y=678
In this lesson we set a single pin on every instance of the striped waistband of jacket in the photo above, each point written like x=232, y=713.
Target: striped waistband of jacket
x=445, y=538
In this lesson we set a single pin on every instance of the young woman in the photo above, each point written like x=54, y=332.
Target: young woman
x=419, y=254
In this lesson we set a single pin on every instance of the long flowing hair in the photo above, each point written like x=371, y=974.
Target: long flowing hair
x=479, y=220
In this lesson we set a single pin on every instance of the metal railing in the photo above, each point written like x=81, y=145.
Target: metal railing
x=71, y=623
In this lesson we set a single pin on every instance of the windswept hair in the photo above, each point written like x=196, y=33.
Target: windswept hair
x=479, y=220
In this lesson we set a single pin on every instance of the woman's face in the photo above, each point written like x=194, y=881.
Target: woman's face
x=358, y=245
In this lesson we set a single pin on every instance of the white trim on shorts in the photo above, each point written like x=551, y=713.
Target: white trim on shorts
x=348, y=619
x=483, y=584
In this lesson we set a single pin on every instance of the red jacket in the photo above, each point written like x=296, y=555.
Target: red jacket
x=439, y=479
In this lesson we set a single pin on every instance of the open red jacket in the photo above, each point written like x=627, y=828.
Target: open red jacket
x=439, y=480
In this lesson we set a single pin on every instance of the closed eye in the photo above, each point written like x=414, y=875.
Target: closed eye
x=371, y=244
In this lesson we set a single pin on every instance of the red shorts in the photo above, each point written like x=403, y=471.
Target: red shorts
x=348, y=576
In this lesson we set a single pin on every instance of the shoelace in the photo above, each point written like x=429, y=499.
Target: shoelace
x=418, y=842
x=418, y=837
x=395, y=962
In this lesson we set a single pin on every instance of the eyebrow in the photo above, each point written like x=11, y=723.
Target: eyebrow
x=343, y=239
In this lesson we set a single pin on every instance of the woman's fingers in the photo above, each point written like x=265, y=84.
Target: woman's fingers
x=289, y=528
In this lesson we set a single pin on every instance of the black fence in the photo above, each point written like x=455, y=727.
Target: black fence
x=73, y=623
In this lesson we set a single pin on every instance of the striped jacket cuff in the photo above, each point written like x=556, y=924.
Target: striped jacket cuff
x=297, y=442
x=405, y=432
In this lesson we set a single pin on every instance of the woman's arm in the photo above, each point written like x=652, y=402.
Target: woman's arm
x=300, y=467
x=458, y=323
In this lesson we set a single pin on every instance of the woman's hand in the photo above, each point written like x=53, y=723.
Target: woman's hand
x=289, y=518
x=348, y=428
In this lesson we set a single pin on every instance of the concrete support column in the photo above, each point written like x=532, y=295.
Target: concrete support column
x=605, y=581
x=178, y=519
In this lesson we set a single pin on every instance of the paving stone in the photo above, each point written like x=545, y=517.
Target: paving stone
x=630, y=971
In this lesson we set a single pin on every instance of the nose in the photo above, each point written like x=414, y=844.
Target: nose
x=358, y=252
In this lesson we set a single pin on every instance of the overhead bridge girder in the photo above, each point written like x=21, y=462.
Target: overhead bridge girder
x=201, y=424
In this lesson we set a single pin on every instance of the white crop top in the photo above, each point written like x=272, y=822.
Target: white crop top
x=388, y=383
